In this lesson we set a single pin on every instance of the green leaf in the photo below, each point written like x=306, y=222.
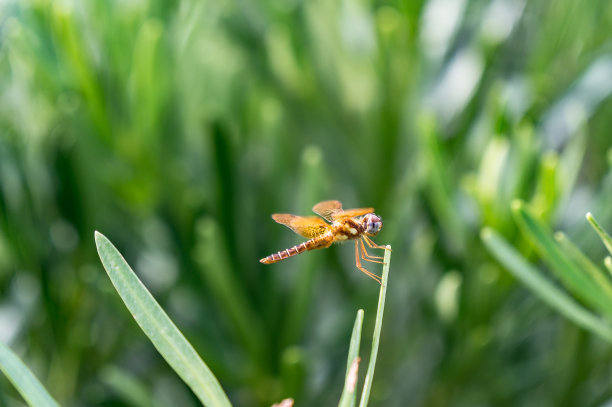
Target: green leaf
x=437, y=186
x=578, y=257
x=546, y=290
x=126, y=386
x=352, y=364
x=365, y=395
x=312, y=182
x=576, y=280
x=23, y=379
x=162, y=332
x=605, y=237
x=213, y=256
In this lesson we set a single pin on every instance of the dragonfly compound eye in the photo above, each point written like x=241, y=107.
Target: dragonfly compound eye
x=373, y=224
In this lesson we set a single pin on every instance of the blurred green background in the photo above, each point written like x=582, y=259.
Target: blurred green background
x=176, y=128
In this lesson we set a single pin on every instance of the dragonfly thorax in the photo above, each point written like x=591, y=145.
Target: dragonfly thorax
x=371, y=224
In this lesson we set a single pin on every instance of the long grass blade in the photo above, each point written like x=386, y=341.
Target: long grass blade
x=546, y=290
x=352, y=364
x=586, y=265
x=605, y=237
x=130, y=389
x=23, y=379
x=365, y=395
x=576, y=280
x=162, y=332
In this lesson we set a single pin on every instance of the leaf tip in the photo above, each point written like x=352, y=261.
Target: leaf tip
x=589, y=216
x=99, y=238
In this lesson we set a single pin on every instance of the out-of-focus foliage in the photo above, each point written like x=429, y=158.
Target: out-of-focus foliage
x=159, y=328
x=177, y=128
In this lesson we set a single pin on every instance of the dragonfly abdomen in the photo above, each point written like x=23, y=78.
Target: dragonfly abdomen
x=315, y=243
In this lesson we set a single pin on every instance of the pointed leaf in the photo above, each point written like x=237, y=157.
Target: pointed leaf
x=546, y=290
x=156, y=324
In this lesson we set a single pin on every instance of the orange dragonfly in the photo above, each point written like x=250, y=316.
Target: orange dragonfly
x=351, y=224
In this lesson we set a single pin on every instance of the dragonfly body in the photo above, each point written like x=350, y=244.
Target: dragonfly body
x=318, y=242
x=352, y=224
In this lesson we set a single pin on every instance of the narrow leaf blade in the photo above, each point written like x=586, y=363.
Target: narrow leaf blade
x=23, y=379
x=162, y=332
x=578, y=257
x=352, y=364
x=576, y=280
x=547, y=291
x=365, y=395
x=603, y=235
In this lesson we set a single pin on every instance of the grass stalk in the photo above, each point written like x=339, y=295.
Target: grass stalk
x=581, y=284
x=352, y=364
x=23, y=379
x=545, y=289
x=160, y=329
x=604, y=236
x=600, y=277
x=365, y=395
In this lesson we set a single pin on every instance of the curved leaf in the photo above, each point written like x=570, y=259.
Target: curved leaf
x=23, y=379
x=162, y=332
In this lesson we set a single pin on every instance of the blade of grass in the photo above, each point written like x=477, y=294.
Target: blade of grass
x=547, y=291
x=579, y=283
x=365, y=395
x=437, y=187
x=212, y=254
x=23, y=379
x=156, y=324
x=605, y=237
x=546, y=192
x=608, y=263
x=132, y=391
x=576, y=255
x=312, y=182
x=352, y=364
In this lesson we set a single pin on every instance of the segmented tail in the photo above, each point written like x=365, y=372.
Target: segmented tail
x=316, y=243
x=284, y=254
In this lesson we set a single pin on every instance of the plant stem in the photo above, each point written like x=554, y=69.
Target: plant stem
x=365, y=395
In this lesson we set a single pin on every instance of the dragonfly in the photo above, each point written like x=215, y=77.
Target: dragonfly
x=350, y=224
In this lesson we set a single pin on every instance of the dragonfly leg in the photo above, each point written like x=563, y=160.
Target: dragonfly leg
x=368, y=257
x=363, y=270
x=372, y=244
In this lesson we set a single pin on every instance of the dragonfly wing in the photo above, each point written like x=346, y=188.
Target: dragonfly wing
x=308, y=227
x=351, y=213
x=329, y=210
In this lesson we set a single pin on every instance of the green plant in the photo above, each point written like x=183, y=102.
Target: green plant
x=24, y=380
x=587, y=282
x=176, y=349
x=177, y=127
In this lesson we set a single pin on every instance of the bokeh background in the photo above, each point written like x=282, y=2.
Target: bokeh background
x=177, y=127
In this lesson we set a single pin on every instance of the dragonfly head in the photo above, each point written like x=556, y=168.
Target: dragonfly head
x=372, y=224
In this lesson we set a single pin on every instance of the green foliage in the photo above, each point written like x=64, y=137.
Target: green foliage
x=367, y=386
x=23, y=379
x=546, y=290
x=580, y=276
x=162, y=332
x=349, y=392
x=177, y=128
